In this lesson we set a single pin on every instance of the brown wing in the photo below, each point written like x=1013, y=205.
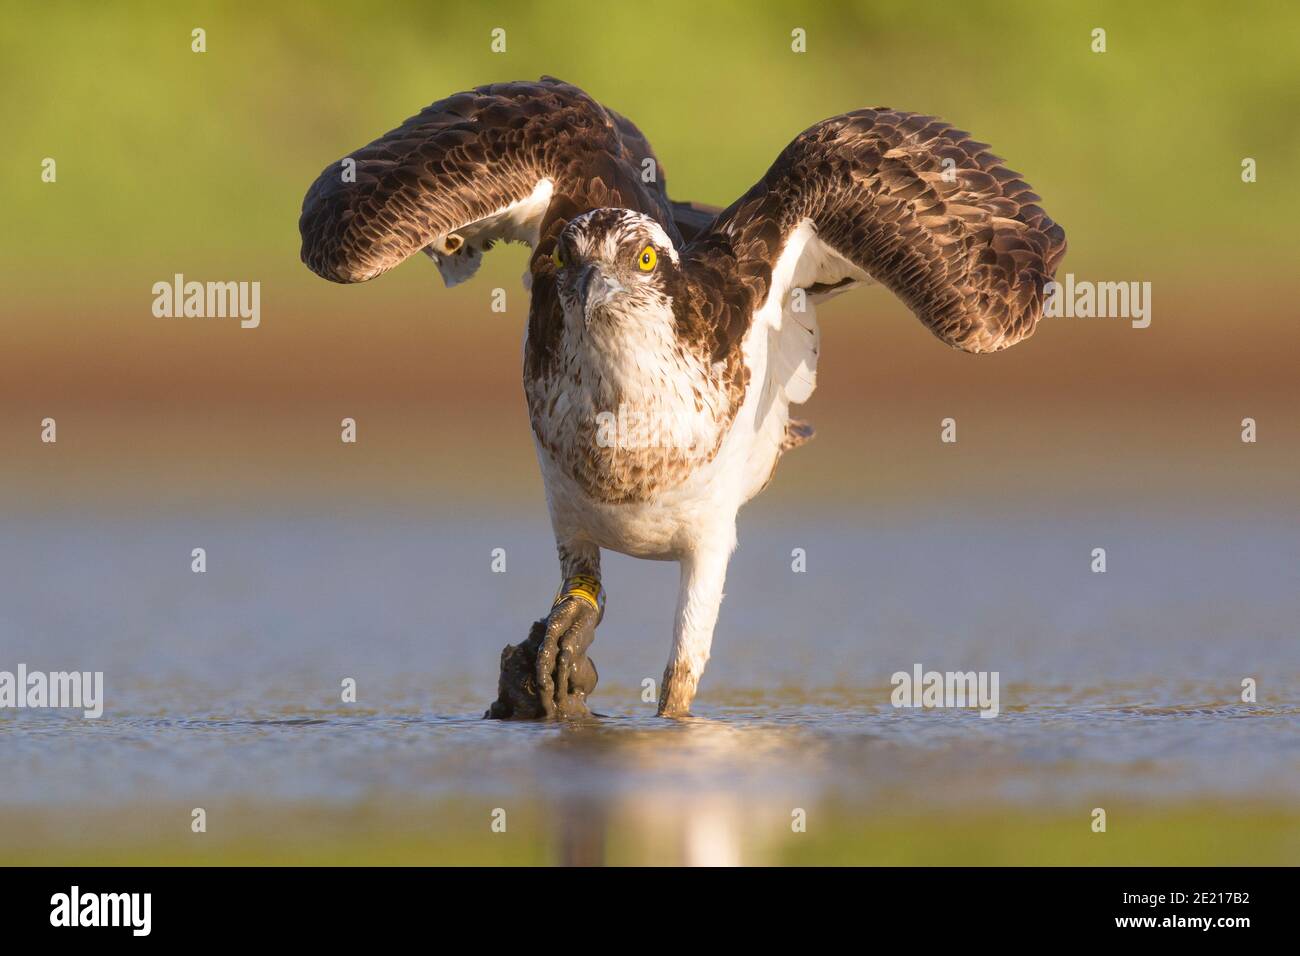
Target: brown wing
x=912, y=203
x=462, y=161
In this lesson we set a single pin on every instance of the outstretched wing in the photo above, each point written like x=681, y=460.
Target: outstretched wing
x=509, y=161
x=909, y=202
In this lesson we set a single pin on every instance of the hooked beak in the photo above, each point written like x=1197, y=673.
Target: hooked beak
x=594, y=289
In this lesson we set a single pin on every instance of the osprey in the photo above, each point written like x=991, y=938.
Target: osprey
x=666, y=341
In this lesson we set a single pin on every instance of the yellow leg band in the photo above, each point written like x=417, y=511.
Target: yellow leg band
x=584, y=587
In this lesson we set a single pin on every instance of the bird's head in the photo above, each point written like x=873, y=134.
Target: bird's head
x=615, y=265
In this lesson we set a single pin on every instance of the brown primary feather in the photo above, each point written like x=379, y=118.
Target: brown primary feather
x=464, y=158
x=965, y=246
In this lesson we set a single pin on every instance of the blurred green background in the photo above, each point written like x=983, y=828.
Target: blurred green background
x=171, y=161
x=206, y=157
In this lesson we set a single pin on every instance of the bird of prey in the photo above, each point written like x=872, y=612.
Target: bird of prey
x=666, y=341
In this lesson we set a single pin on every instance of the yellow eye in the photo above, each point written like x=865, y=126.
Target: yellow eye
x=647, y=259
x=557, y=258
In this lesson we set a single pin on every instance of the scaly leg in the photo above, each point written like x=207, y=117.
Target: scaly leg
x=703, y=574
x=550, y=674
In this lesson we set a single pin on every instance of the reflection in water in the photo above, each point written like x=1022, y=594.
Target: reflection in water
x=583, y=824
x=666, y=828
x=683, y=793
x=712, y=835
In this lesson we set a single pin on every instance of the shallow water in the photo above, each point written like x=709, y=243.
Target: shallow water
x=226, y=685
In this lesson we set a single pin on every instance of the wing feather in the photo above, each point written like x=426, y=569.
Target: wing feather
x=466, y=160
x=909, y=202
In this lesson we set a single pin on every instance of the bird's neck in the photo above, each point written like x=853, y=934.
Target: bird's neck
x=633, y=358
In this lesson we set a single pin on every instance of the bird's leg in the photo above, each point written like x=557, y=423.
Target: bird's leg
x=703, y=573
x=563, y=669
x=550, y=674
x=565, y=674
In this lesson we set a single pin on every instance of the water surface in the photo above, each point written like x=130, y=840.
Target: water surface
x=223, y=688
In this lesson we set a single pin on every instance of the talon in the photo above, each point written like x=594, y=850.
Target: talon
x=550, y=675
x=570, y=629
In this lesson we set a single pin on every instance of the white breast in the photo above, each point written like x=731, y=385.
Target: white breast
x=705, y=502
x=780, y=350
